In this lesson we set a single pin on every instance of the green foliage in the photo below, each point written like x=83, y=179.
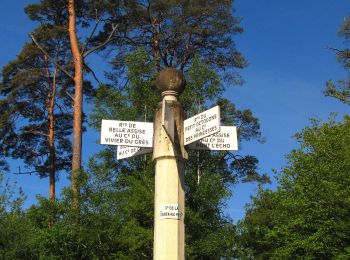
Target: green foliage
x=31, y=88
x=125, y=193
x=341, y=89
x=209, y=232
x=55, y=12
x=26, y=91
x=10, y=199
x=37, y=95
x=134, y=101
x=128, y=185
x=116, y=198
x=47, y=11
x=307, y=217
x=15, y=230
x=202, y=86
x=174, y=32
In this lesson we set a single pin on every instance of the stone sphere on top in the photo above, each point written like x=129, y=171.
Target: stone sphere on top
x=170, y=81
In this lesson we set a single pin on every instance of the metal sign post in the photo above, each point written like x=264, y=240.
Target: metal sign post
x=169, y=155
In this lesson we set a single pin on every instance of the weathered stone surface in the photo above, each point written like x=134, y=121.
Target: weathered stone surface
x=170, y=79
x=169, y=155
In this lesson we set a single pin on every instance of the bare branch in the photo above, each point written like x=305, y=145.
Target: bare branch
x=50, y=58
x=334, y=49
x=30, y=173
x=114, y=28
x=342, y=98
x=19, y=171
x=89, y=70
x=61, y=109
x=69, y=95
x=36, y=133
x=91, y=35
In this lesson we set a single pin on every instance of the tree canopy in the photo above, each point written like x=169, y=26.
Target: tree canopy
x=341, y=89
x=174, y=32
x=307, y=216
x=206, y=224
x=37, y=90
x=36, y=95
x=115, y=218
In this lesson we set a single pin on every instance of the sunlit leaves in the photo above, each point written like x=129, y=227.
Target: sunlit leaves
x=307, y=216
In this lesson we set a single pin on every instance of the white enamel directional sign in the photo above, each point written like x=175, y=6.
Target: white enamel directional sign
x=226, y=139
x=127, y=133
x=170, y=211
x=168, y=120
x=202, y=125
x=130, y=151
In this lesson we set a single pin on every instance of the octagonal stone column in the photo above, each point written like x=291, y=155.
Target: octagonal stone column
x=169, y=156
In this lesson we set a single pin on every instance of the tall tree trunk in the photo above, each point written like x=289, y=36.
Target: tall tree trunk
x=52, y=159
x=78, y=103
x=155, y=39
x=156, y=49
x=50, y=103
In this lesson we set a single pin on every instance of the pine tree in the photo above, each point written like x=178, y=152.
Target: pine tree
x=307, y=216
x=37, y=121
x=174, y=32
x=341, y=89
x=60, y=66
x=79, y=54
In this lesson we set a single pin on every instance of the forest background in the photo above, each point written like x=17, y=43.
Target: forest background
x=286, y=45
x=289, y=51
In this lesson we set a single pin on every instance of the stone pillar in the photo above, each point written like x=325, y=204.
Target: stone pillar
x=169, y=156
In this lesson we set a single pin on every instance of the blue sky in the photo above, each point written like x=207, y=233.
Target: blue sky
x=285, y=43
